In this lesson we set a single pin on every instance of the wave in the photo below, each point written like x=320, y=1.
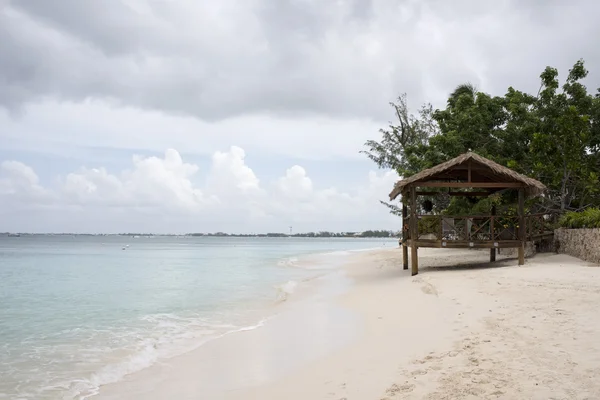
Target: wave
x=288, y=262
x=336, y=253
x=149, y=351
x=324, y=260
x=285, y=290
x=350, y=252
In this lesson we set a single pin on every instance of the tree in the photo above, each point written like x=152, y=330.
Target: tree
x=472, y=121
x=562, y=148
x=516, y=137
x=400, y=140
x=411, y=131
x=553, y=136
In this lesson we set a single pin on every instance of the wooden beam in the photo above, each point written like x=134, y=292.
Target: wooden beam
x=469, y=171
x=543, y=235
x=471, y=184
x=425, y=193
x=414, y=232
x=465, y=244
x=421, y=193
x=404, y=235
x=493, y=249
x=522, y=226
x=474, y=167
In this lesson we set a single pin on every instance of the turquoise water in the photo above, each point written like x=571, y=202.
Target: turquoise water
x=80, y=312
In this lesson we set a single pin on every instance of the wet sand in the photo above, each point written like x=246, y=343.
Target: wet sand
x=461, y=329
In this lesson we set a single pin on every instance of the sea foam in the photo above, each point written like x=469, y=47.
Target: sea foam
x=285, y=290
x=148, y=352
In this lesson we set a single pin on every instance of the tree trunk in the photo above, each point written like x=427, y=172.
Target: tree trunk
x=563, y=189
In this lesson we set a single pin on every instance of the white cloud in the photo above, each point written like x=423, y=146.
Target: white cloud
x=168, y=188
x=300, y=202
x=20, y=182
x=303, y=81
x=163, y=183
x=295, y=184
x=230, y=174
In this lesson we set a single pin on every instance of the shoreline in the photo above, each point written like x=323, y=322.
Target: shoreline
x=453, y=331
x=291, y=300
x=250, y=357
x=159, y=335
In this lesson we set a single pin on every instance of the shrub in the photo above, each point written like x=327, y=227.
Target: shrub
x=589, y=218
x=429, y=224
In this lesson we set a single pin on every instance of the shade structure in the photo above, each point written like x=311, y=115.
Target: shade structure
x=470, y=170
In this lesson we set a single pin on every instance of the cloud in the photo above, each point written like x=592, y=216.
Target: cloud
x=299, y=85
x=231, y=175
x=20, y=183
x=217, y=60
x=168, y=188
x=295, y=184
x=70, y=128
x=299, y=201
x=160, y=183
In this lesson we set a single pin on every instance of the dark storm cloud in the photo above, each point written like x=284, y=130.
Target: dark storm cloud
x=227, y=58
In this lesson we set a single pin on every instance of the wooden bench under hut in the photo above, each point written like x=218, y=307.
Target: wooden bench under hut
x=474, y=176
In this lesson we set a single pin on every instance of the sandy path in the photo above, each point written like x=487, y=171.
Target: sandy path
x=540, y=339
x=506, y=332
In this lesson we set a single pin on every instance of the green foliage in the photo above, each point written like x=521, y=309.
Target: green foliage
x=461, y=206
x=408, y=132
x=560, y=149
x=589, y=218
x=429, y=224
x=377, y=234
x=553, y=136
x=471, y=121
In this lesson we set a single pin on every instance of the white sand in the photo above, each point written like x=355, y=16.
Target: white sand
x=476, y=332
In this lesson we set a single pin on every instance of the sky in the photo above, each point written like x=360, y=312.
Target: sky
x=243, y=115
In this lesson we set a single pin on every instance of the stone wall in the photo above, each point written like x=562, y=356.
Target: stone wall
x=580, y=243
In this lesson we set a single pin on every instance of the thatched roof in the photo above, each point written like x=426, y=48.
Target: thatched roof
x=484, y=170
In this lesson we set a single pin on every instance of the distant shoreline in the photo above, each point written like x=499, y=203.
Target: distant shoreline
x=366, y=234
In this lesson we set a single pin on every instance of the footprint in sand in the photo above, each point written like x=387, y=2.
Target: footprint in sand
x=395, y=389
x=419, y=372
x=474, y=361
x=480, y=380
x=428, y=288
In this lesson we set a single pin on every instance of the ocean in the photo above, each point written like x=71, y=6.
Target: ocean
x=79, y=312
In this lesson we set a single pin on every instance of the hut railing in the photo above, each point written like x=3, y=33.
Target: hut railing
x=540, y=224
x=478, y=227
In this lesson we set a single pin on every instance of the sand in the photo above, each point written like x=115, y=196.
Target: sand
x=461, y=329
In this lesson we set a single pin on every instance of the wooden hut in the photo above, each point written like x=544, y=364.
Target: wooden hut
x=467, y=175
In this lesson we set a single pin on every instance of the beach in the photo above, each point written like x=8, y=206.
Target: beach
x=89, y=314
x=461, y=329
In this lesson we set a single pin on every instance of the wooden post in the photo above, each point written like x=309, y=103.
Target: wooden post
x=414, y=232
x=469, y=173
x=522, y=226
x=404, y=235
x=493, y=249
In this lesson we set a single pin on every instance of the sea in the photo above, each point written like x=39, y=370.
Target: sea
x=79, y=312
